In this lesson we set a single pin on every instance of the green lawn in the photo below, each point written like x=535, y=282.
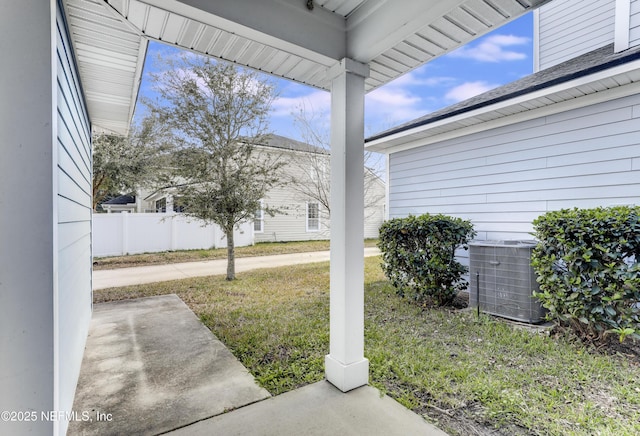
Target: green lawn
x=463, y=373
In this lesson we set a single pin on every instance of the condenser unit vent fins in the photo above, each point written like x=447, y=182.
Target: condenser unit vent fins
x=503, y=281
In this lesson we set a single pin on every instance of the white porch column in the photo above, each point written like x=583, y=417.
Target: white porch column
x=345, y=365
x=28, y=300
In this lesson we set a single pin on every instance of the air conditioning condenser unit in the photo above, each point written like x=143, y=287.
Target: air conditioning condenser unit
x=503, y=281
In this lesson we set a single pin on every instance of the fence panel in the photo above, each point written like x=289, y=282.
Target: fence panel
x=107, y=234
x=131, y=233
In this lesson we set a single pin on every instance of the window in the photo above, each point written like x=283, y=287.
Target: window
x=161, y=205
x=313, y=217
x=258, y=220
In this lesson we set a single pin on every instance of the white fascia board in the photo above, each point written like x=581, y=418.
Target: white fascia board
x=379, y=25
x=317, y=35
x=422, y=132
x=135, y=89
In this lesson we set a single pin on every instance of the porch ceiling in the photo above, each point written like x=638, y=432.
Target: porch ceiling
x=280, y=37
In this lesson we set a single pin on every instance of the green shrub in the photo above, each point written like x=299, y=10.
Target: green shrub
x=418, y=254
x=587, y=266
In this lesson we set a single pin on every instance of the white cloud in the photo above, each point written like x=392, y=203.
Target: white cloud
x=468, y=90
x=392, y=97
x=315, y=101
x=507, y=39
x=493, y=49
x=392, y=104
x=417, y=78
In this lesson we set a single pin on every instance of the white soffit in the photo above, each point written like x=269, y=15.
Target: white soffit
x=614, y=83
x=110, y=56
x=430, y=29
x=279, y=37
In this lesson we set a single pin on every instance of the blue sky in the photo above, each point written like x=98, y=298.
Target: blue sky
x=502, y=56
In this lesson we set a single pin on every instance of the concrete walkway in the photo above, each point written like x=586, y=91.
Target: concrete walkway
x=151, y=367
x=157, y=273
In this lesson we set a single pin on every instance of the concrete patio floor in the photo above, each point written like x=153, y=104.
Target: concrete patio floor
x=151, y=367
x=316, y=410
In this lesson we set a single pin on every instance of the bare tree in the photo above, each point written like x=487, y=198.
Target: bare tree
x=216, y=114
x=312, y=180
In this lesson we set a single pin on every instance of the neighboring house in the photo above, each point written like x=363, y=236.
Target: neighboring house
x=121, y=203
x=301, y=202
x=145, y=201
x=566, y=136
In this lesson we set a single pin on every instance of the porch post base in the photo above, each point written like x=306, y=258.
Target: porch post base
x=346, y=377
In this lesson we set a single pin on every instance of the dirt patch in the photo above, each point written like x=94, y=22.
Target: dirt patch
x=465, y=419
x=629, y=349
x=610, y=344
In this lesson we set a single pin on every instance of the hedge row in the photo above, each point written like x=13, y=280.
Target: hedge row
x=587, y=262
x=418, y=254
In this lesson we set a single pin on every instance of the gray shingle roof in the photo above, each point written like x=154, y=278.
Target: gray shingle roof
x=589, y=63
x=122, y=199
x=283, y=142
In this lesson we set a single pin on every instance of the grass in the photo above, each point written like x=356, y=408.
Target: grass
x=259, y=249
x=465, y=373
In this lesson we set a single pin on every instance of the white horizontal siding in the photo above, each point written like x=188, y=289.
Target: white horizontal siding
x=502, y=179
x=374, y=206
x=569, y=28
x=634, y=24
x=290, y=224
x=74, y=218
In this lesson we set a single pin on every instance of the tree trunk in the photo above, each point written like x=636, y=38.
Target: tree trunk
x=231, y=257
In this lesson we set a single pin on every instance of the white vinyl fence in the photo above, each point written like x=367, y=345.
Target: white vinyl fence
x=117, y=234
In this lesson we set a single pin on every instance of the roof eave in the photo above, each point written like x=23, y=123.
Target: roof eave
x=474, y=118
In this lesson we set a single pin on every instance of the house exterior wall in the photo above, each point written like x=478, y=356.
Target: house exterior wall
x=290, y=223
x=634, y=23
x=26, y=263
x=502, y=179
x=568, y=28
x=45, y=263
x=74, y=207
x=374, y=205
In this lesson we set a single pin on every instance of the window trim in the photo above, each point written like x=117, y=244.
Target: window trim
x=308, y=228
x=259, y=218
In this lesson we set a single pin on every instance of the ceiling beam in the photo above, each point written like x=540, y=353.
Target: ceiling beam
x=317, y=34
x=379, y=25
